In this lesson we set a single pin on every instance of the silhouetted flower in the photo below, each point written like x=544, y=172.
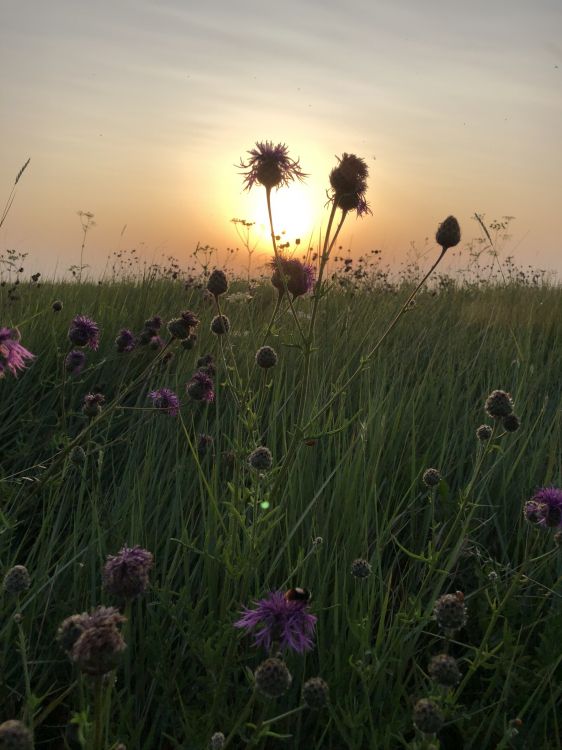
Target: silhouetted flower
x=349, y=184
x=271, y=166
x=287, y=623
x=12, y=353
x=125, y=574
x=545, y=508
x=200, y=387
x=299, y=276
x=57, y=305
x=74, y=362
x=179, y=328
x=84, y=331
x=220, y=325
x=448, y=233
x=165, y=400
x=125, y=341
x=217, y=283
x=190, y=319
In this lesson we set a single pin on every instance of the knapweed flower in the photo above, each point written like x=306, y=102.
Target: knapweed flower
x=272, y=678
x=125, y=574
x=220, y=325
x=74, y=362
x=92, y=404
x=200, y=387
x=431, y=477
x=511, y=423
x=448, y=233
x=178, y=328
x=17, y=580
x=261, y=459
x=217, y=283
x=14, y=735
x=206, y=364
x=315, y=693
x=450, y=611
x=12, y=353
x=298, y=276
x=360, y=568
x=156, y=343
x=165, y=400
x=189, y=343
x=277, y=620
x=427, y=716
x=84, y=331
x=499, y=404
x=266, y=357
x=484, y=432
x=545, y=508
x=125, y=341
x=270, y=166
x=444, y=670
x=93, y=640
x=190, y=319
x=349, y=184
x=56, y=306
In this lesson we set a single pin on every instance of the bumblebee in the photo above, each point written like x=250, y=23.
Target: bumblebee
x=297, y=595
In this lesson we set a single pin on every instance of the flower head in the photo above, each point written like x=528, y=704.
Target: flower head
x=349, y=184
x=276, y=619
x=14, y=735
x=93, y=640
x=17, y=580
x=200, y=387
x=84, y=331
x=298, y=276
x=217, y=283
x=125, y=574
x=190, y=319
x=166, y=400
x=448, y=233
x=271, y=166
x=545, y=508
x=315, y=693
x=450, y=611
x=74, y=362
x=499, y=404
x=427, y=716
x=12, y=353
x=125, y=341
x=92, y=404
x=272, y=678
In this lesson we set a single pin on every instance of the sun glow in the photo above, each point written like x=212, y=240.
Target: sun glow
x=294, y=214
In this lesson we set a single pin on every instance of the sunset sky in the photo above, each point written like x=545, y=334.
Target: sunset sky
x=138, y=111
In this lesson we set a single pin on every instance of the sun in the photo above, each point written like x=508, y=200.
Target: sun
x=293, y=213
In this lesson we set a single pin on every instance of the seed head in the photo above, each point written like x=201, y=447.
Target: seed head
x=444, y=670
x=266, y=357
x=499, y=404
x=14, y=735
x=448, y=233
x=450, y=612
x=484, y=432
x=428, y=716
x=360, y=568
x=125, y=575
x=217, y=283
x=261, y=459
x=272, y=678
x=220, y=325
x=431, y=477
x=315, y=693
x=511, y=423
x=57, y=305
x=17, y=580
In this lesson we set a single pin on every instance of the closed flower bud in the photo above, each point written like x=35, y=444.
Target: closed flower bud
x=360, y=568
x=444, y=670
x=261, y=459
x=178, y=328
x=428, y=716
x=266, y=357
x=431, y=477
x=449, y=233
x=315, y=693
x=220, y=325
x=14, y=735
x=217, y=283
x=499, y=404
x=57, y=305
x=484, y=432
x=272, y=678
x=511, y=423
x=450, y=611
x=17, y=580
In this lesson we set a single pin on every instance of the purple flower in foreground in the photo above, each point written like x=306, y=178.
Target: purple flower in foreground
x=125, y=341
x=74, y=362
x=166, y=400
x=200, y=387
x=545, y=508
x=287, y=623
x=84, y=331
x=126, y=574
x=12, y=353
x=299, y=276
x=271, y=166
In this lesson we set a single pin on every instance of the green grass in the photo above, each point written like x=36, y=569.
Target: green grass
x=186, y=672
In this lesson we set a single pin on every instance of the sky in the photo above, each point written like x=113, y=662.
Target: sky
x=139, y=110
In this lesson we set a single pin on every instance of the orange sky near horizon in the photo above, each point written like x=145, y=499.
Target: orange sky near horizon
x=138, y=111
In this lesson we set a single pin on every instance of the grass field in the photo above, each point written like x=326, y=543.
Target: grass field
x=346, y=484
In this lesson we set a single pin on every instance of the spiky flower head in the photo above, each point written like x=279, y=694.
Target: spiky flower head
x=57, y=305
x=448, y=233
x=272, y=678
x=166, y=401
x=220, y=325
x=74, y=362
x=484, y=432
x=217, y=283
x=178, y=328
x=200, y=387
x=444, y=670
x=17, y=580
x=125, y=575
x=217, y=741
x=511, y=423
x=266, y=357
x=315, y=693
x=84, y=331
x=499, y=404
x=450, y=611
x=12, y=354
x=298, y=276
x=360, y=568
x=270, y=166
x=427, y=716
x=545, y=508
x=92, y=404
x=276, y=619
x=125, y=341
x=261, y=459
x=14, y=735
x=349, y=184
x=431, y=477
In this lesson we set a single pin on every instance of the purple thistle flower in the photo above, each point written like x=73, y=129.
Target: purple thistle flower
x=299, y=276
x=200, y=387
x=12, y=353
x=84, y=331
x=271, y=166
x=287, y=623
x=166, y=400
x=545, y=508
x=125, y=341
x=74, y=362
x=126, y=574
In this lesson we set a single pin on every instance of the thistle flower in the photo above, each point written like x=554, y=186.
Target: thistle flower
x=12, y=353
x=448, y=233
x=156, y=343
x=427, y=716
x=17, y=580
x=190, y=319
x=153, y=324
x=125, y=574
x=165, y=400
x=499, y=404
x=125, y=341
x=298, y=276
x=444, y=670
x=272, y=678
x=431, y=477
x=178, y=328
x=200, y=387
x=349, y=184
x=92, y=404
x=74, y=362
x=84, y=331
x=315, y=693
x=206, y=364
x=217, y=283
x=14, y=735
x=450, y=611
x=261, y=459
x=270, y=166
x=220, y=325
x=275, y=619
x=360, y=568
x=545, y=508
x=93, y=640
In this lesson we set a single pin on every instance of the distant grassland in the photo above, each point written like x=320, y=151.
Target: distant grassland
x=222, y=536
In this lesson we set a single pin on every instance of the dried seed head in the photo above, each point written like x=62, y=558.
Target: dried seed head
x=511, y=423
x=272, y=678
x=266, y=357
x=360, y=568
x=217, y=283
x=14, y=735
x=261, y=459
x=315, y=693
x=444, y=670
x=17, y=580
x=220, y=325
x=431, y=477
x=448, y=233
x=428, y=716
x=484, y=432
x=450, y=611
x=499, y=404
